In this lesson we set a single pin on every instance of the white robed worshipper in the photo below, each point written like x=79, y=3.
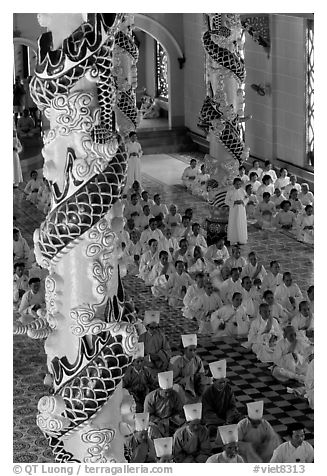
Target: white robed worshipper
x=190, y=174
x=190, y=300
x=237, y=223
x=288, y=294
x=148, y=260
x=177, y=285
x=296, y=450
x=229, y=437
x=159, y=275
x=134, y=153
x=230, y=286
x=273, y=278
x=231, y=319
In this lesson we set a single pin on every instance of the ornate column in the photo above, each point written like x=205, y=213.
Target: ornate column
x=84, y=83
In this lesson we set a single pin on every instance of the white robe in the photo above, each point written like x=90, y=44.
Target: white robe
x=237, y=224
x=284, y=360
x=17, y=148
x=148, y=260
x=228, y=288
x=174, y=288
x=190, y=301
x=283, y=293
x=134, y=163
x=287, y=453
x=236, y=321
x=261, y=342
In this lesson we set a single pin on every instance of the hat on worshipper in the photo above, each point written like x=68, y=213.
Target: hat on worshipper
x=228, y=433
x=151, y=316
x=163, y=446
x=165, y=379
x=189, y=339
x=141, y=421
x=255, y=410
x=193, y=411
x=218, y=368
x=139, y=350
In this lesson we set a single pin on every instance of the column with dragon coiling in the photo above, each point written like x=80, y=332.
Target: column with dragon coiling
x=84, y=84
x=223, y=108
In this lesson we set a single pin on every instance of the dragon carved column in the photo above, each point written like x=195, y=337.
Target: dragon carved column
x=223, y=108
x=84, y=83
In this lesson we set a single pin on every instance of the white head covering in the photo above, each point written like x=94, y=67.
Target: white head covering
x=139, y=350
x=193, y=411
x=228, y=433
x=151, y=316
x=218, y=368
x=165, y=379
x=189, y=339
x=163, y=446
x=255, y=410
x=141, y=421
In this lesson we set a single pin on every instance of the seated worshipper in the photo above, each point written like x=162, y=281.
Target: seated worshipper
x=251, y=203
x=22, y=252
x=25, y=125
x=273, y=278
x=132, y=253
x=190, y=174
x=303, y=320
x=282, y=180
x=264, y=334
x=135, y=188
x=296, y=204
x=195, y=238
x=156, y=346
x=257, y=439
x=207, y=304
x=173, y=218
x=20, y=282
x=191, y=441
x=218, y=400
x=266, y=186
x=218, y=276
x=256, y=169
x=200, y=183
x=158, y=207
x=32, y=301
x=231, y=319
x=188, y=370
x=183, y=230
x=177, y=285
x=296, y=450
x=150, y=233
x=230, y=286
x=44, y=197
x=139, y=448
x=277, y=311
x=193, y=292
x=277, y=198
x=305, y=196
x=254, y=182
x=138, y=379
x=305, y=226
x=293, y=184
x=142, y=221
x=229, y=437
x=183, y=253
x=265, y=205
x=242, y=174
x=168, y=243
x=268, y=170
x=164, y=449
x=159, y=275
x=148, y=260
x=32, y=187
x=250, y=303
x=165, y=408
x=160, y=223
x=291, y=356
x=217, y=253
x=253, y=268
x=133, y=209
x=236, y=260
x=198, y=263
x=288, y=294
x=145, y=200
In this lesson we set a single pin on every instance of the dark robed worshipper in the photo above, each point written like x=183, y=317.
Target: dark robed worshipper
x=164, y=449
x=191, y=441
x=156, y=346
x=257, y=439
x=188, y=369
x=219, y=403
x=229, y=437
x=139, y=447
x=165, y=408
x=138, y=379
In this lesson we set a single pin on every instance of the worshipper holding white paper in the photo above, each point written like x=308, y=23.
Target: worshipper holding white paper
x=218, y=400
x=257, y=439
x=165, y=408
x=231, y=319
x=157, y=350
x=139, y=448
x=296, y=450
x=229, y=437
x=191, y=442
x=164, y=449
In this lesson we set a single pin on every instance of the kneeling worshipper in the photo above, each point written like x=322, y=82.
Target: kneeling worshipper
x=22, y=252
x=138, y=379
x=218, y=400
x=303, y=320
x=165, y=408
x=276, y=309
x=231, y=319
x=194, y=292
x=148, y=260
x=20, y=282
x=139, y=448
x=296, y=450
x=291, y=356
x=230, y=286
x=164, y=449
x=191, y=441
x=159, y=275
x=157, y=350
x=264, y=333
x=188, y=370
x=177, y=285
x=189, y=174
x=257, y=439
x=288, y=294
x=33, y=302
x=229, y=437
x=208, y=303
